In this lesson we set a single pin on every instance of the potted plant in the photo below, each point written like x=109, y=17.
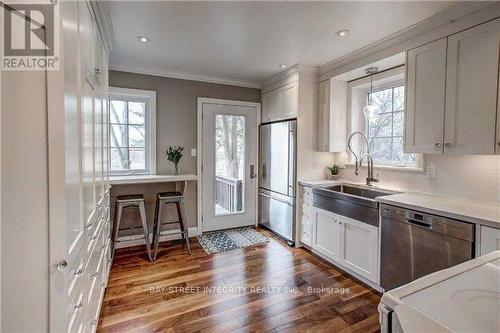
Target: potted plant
x=334, y=171
x=174, y=155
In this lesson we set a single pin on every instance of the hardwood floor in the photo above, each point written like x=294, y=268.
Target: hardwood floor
x=275, y=288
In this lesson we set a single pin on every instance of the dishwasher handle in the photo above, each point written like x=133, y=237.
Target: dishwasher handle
x=419, y=223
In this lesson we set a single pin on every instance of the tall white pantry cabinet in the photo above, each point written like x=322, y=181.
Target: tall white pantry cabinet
x=55, y=224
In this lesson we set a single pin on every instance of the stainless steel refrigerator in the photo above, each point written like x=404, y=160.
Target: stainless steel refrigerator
x=277, y=178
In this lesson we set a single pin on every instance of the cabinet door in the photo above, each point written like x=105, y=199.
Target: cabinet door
x=490, y=239
x=326, y=233
x=88, y=32
x=471, y=90
x=271, y=105
x=289, y=96
x=426, y=75
x=324, y=116
x=359, y=247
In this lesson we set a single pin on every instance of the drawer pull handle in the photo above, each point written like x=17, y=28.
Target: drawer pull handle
x=79, y=306
x=93, y=275
x=79, y=272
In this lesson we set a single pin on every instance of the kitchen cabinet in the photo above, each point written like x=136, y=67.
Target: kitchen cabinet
x=489, y=239
x=332, y=116
x=58, y=159
x=351, y=244
x=452, y=91
x=425, y=89
x=306, y=214
x=325, y=237
x=359, y=247
x=471, y=90
x=281, y=103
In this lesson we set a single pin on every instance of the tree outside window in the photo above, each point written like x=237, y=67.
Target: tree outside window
x=385, y=128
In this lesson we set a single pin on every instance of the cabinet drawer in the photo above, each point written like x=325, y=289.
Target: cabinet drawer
x=76, y=311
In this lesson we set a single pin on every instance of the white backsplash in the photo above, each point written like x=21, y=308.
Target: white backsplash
x=473, y=177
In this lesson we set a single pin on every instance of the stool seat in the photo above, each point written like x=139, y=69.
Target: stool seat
x=130, y=198
x=165, y=195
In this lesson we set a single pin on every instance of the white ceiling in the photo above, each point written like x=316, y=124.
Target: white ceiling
x=246, y=41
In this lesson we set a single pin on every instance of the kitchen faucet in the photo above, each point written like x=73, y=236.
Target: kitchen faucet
x=369, y=158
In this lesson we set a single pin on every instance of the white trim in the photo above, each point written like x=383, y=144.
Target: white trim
x=167, y=235
x=199, y=145
x=184, y=76
x=151, y=119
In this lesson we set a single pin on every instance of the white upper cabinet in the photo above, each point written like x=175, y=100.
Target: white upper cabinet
x=332, y=116
x=452, y=93
x=425, y=75
x=471, y=90
x=281, y=103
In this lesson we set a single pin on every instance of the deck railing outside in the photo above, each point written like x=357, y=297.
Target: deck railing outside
x=228, y=193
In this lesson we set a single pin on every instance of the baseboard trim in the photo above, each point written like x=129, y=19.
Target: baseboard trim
x=169, y=235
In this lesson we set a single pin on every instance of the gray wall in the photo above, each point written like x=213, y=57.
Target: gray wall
x=176, y=117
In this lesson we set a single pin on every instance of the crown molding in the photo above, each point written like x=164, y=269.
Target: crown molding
x=294, y=70
x=440, y=25
x=184, y=76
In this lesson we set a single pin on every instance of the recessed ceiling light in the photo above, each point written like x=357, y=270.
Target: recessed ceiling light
x=342, y=33
x=282, y=66
x=144, y=39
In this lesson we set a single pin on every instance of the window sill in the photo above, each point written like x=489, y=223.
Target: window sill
x=390, y=167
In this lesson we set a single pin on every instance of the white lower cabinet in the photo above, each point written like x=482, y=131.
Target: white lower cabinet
x=359, y=247
x=490, y=239
x=326, y=233
x=350, y=243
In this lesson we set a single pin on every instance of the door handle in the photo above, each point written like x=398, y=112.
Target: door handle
x=252, y=171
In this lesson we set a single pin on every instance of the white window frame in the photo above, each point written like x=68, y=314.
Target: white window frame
x=387, y=79
x=127, y=94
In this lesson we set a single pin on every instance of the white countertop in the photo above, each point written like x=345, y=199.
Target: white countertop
x=462, y=298
x=145, y=179
x=457, y=208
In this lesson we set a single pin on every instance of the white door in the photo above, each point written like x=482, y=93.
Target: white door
x=358, y=247
x=425, y=81
x=326, y=233
x=67, y=233
x=471, y=112
x=228, y=163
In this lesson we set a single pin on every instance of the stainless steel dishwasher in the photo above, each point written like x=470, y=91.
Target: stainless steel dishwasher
x=414, y=244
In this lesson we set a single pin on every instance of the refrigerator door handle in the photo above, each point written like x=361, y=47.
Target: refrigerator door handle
x=252, y=171
x=275, y=198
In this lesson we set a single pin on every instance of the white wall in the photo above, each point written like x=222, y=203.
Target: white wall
x=475, y=177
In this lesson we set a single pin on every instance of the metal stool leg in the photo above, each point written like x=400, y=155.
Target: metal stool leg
x=183, y=221
x=118, y=217
x=142, y=210
x=157, y=227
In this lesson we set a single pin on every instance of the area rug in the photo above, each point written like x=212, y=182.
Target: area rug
x=231, y=239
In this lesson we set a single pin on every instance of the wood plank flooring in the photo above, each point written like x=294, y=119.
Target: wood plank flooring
x=269, y=288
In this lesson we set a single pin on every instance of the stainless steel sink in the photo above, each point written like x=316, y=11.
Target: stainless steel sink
x=356, y=202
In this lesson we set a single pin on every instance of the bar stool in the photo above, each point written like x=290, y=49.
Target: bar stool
x=131, y=201
x=165, y=198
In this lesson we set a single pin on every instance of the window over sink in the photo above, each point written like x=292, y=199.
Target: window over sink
x=384, y=129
